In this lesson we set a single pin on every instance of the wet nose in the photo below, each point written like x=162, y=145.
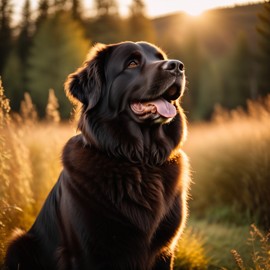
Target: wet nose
x=175, y=67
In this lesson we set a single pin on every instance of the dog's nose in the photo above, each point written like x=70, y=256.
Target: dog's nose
x=175, y=67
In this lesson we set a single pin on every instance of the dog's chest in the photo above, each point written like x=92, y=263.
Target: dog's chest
x=144, y=195
x=141, y=193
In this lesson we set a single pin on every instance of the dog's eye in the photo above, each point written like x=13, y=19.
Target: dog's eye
x=133, y=64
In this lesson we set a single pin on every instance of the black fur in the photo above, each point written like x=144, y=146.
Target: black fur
x=120, y=201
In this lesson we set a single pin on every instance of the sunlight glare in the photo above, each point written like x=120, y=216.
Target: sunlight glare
x=195, y=10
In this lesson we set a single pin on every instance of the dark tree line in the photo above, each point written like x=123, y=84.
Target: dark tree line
x=5, y=32
x=49, y=43
x=263, y=29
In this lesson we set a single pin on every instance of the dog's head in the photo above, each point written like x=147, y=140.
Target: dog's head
x=134, y=82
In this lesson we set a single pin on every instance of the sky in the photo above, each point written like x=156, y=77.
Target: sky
x=155, y=8
x=161, y=7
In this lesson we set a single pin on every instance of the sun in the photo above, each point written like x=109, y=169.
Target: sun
x=194, y=10
x=194, y=13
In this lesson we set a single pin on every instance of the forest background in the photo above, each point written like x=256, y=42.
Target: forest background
x=226, y=53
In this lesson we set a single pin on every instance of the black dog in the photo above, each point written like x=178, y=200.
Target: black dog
x=120, y=201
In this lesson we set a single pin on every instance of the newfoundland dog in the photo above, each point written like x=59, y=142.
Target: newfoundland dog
x=120, y=201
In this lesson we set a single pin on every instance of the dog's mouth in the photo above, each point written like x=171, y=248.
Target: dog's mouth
x=158, y=109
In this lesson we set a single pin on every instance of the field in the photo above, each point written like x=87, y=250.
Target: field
x=230, y=160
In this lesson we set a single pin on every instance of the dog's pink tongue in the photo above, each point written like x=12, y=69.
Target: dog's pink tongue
x=160, y=106
x=164, y=108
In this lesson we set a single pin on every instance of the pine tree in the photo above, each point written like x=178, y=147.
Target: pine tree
x=106, y=7
x=25, y=35
x=210, y=90
x=76, y=10
x=107, y=26
x=5, y=32
x=17, y=61
x=13, y=75
x=43, y=11
x=140, y=27
x=237, y=75
x=263, y=29
x=55, y=53
x=59, y=5
x=192, y=57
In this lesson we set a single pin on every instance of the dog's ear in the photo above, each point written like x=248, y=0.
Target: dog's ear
x=85, y=84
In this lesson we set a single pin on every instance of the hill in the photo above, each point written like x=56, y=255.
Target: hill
x=216, y=30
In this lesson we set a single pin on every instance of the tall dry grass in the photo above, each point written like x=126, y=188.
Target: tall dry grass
x=30, y=162
x=259, y=243
x=230, y=158
x=191, y=252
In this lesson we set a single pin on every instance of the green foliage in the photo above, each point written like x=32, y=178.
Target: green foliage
x=238, y=74
x=17, y=60
x=76, y=10
x=5, y=32
x=208, y=245
x=192, y=56
x=263, y=28
x=107, y=26
x=24, y=39
x=139, y=26
x=218, y=51
x=15, y=87
x=43, y=10
x=106, y=7
x=230, y=159
x=228, y=80
x=218, y=239
x=56, y=52
x=210, y=90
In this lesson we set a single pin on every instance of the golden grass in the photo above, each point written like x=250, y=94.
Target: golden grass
x=218, y=241
x=31, y=168
x=230, y=159
x=229, y=156
x=30, y=162
x=190, y=252
x=259, y=243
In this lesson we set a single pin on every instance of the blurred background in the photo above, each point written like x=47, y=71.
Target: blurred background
x=225, y=46
x=225, y=50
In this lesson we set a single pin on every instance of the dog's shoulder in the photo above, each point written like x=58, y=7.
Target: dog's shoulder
x=77, y=153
